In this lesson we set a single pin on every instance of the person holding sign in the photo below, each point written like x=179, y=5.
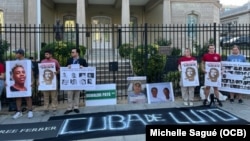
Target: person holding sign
x=187, y=91
x=236, y=57
x=48, y=76
x=2, y=76
x=19, y=70
x=74, y=95
x=211, y=56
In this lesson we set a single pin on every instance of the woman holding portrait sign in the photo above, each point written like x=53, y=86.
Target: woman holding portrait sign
x=187, y=65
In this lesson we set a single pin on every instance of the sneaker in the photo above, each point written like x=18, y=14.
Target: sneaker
x=231, y=100
x=205, y=102
x=240, y=101
x=185, y=103
x=17, y=115
x=191, y=103
x=219, y=102
x=68, y=111
x=76, y=111
x=30, y=114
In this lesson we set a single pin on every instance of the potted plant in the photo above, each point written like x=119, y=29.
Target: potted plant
x=164, y=46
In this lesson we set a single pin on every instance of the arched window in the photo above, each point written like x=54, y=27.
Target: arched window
x=133, y=25
x=192, y=21
x=69, y=23
x=1, y=20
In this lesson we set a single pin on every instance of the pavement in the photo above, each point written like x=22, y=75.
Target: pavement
x=240, y=110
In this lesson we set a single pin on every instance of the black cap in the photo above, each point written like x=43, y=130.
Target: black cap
x=19, y=51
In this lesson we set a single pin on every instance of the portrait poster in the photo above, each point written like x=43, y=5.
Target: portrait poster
x=137, y=89
x=235, y=77
x=213, y=74
x=189, y=73
x=18, y=78
x=47, y=76
x=160, y=92
x=77, y=78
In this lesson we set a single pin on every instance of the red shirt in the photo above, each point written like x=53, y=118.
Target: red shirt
x=185, y=58
x=2, y=69
x=51, y=60
x=211, y=57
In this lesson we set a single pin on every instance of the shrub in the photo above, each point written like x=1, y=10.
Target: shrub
x=61, y=50
x=147, y=62
x=125, y=50
x=4, y=47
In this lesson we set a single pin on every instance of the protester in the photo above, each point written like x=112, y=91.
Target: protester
x=20, y=56
x=74, y=95
x=48, y=77
x=236, y=57
x=211, y=56
x=2, y=77
x=188, y=91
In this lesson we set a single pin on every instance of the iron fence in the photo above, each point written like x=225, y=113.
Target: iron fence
x=104, y=43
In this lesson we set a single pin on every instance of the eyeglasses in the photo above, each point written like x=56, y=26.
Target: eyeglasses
x=72, y=52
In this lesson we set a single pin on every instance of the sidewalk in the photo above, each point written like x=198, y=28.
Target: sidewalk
x=240, y=110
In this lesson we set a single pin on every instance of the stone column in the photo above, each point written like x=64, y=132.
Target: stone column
x=166, y=12
x=166, y=16
x=125, y=21
x=81, y=20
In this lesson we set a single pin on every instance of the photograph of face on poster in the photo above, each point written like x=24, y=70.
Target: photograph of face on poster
x=137, y=89
x=213, y=74
x=47, y=76
x=160, y=92
x=189, y=73
x=18, y=78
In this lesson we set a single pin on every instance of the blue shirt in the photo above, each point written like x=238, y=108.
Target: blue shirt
x=236, y=58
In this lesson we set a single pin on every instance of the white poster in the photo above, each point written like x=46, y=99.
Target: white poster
x=235, y=77
x=189, y=73
x=137, y=89
x=213, y=74
x=160, y=92
x=103, y=94
x=77, y=78
x=18, y=78
x=47, y=76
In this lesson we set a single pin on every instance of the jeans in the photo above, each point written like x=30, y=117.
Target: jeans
x=1, y=87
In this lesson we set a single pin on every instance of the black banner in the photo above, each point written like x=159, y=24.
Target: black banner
x=38, y=130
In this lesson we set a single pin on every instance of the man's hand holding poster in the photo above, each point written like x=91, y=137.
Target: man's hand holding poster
x=77, y=78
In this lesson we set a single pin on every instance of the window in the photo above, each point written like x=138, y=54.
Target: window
x=1, y=19
x=69, y=23
x=192, y=21
x=133, y=25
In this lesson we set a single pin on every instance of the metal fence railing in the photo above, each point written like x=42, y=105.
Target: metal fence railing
x=103, y=46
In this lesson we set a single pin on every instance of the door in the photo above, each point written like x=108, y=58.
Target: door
x=101, y=32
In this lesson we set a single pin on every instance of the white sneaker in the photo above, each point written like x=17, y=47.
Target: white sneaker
x=185, y=103
x=17, y=115
x=30, y=114
x=191, y=103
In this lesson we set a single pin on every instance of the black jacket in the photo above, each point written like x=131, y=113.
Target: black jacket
x=80, y=61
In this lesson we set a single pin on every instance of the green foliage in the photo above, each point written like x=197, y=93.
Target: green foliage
x=61, y=50
x=125, y=50
x=147, y=62
x=174, y=77
x=163, y=42
x=201, y=50
x=176, y=51
x=4, y=47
